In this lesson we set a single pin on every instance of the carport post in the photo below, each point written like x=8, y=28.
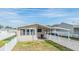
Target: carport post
x=36, y=35
x=68, y=35
x=50, y=34
x=55, y=34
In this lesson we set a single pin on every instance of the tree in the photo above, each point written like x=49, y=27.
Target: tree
x=1, y=26
x=8, y=27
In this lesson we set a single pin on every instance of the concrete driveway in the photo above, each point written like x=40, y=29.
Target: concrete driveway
x=72, y=44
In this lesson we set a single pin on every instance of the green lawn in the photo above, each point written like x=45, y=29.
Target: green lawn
x=60, y=47
x=3, y=42
x=39, y=45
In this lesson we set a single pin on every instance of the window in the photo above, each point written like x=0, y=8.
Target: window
x=39, y=30
x=22, y=32
x=32, y=32
x=27, y=31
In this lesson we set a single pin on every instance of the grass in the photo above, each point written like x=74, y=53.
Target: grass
x=3, y=42
x=60, y=47
x=40, y=45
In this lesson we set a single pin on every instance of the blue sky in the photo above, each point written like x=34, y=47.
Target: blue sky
x=48, y=16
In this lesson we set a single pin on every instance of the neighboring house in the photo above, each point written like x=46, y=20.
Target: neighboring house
x=76, y=29
x=64, y=29
x=32, y=32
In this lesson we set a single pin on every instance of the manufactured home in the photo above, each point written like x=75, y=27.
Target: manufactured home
x=64, y=29
x=32, y=32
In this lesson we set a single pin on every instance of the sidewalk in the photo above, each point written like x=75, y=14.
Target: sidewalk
x=72, y=44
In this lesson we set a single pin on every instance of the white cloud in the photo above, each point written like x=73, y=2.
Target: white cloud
x=73, y=20
x=7, y=14
x=16, y=21
x=11, y=18
x=52, y=15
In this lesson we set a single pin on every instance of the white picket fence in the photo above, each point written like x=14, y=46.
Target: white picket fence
x=9, y=46
x=5, y=35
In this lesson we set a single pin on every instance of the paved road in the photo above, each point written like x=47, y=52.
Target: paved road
x=73, y=44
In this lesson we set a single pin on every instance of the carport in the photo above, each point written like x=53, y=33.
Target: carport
x=56, y=33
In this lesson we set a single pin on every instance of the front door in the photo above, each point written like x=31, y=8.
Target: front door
x=42, y=36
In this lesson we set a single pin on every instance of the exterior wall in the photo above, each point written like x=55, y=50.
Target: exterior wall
x=26, y=37
x=31, y=37
x=67, y=26
x=63, y=33
x=39, y=33
x=76, y=31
